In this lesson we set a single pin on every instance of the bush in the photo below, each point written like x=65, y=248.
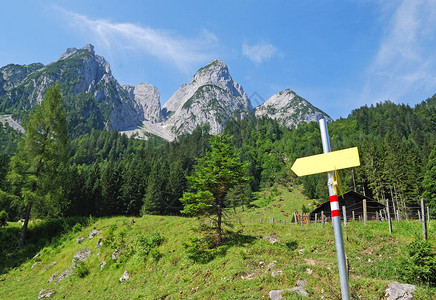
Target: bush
x=81, y=269
x=418, y=263
x=147, y=246
x=3, y=218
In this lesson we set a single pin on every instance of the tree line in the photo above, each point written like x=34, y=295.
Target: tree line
x=106, y=173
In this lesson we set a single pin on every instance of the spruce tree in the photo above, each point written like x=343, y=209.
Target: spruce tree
x=36, y=169
x=214, y=175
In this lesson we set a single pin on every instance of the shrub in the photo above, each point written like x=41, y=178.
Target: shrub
x=77, y=228
x=3, y=218
x=418, y=263
x=147, y=246
x=81, y=269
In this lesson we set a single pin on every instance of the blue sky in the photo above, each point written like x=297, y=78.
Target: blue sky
x=339, y=55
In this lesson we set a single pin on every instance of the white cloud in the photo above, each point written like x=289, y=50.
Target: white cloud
x=260, y=52
x=405, y=63
x=164, y=45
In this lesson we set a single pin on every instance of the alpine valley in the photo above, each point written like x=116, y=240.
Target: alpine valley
x=95, y=100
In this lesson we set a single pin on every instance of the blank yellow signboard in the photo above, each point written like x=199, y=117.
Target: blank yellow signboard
x=326, y=162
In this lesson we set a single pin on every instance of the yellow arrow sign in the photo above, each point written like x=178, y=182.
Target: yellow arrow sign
x=326, y=162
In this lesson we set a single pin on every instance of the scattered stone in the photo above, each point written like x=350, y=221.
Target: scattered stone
x=369, y=260
x=272, y=238
x=99, y=243
x=309, y=271
x=275, y=294
x=93, y=233
x=398, y=291
x=48, y=266
x=80, y=239
x=301, y=288
x=125, y=277
x=102, y=264
x=115, y=254
x=247, y=277
x=64, y=274
x=272, y=265
x=81, y=255
x=46, y=294
x=276, y=273
x=52, y=277
x=261, y=264
x=309, y=261
x=301, y=251
x=35, y=263
x=37, y=255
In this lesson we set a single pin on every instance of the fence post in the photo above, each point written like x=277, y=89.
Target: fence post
x=388, y=215
x=424, y=223
x=354, y=216
x=365, y=212
x=344, y=212
x=316, y=218
x=322, y=219
x=376, y=216
x=295, y=219
x=428, y=215
x=419, y=216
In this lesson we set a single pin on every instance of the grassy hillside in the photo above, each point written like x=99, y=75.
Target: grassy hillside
x=151, y=250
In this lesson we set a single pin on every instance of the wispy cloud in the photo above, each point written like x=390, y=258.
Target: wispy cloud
x=259, y=52
x=405, y=63
x=182, y=52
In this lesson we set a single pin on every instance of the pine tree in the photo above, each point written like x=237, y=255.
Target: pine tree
x=37, y=166
x=214, y=175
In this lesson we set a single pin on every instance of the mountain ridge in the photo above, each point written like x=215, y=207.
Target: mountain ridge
x=95, y=99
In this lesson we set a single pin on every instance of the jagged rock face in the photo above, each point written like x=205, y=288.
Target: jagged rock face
x=290, y=109
x=211, y=98
x=77, y=71
x=147, y=99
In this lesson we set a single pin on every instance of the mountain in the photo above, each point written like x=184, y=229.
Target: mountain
x=290, y=109
x=92, y=95
x=95, y=100
x=147, y=99
x=212, y=97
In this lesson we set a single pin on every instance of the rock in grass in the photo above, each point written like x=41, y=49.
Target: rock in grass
x=82, y=254
x=115, y=254
x=80, y=239
x=275, y=294
x=48, y=266
x=102, y=264
x=64, y=274
x=93, y=233
x=272, y=238
x=52, y=277
x=99, y=243
x=46, y=294
x=35, y=263
x=125, y=276
x=398, y=291
x=301, y=288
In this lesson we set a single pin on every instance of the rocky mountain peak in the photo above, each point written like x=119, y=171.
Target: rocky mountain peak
x=213, y=72
x=290, y=109
x=71, y=51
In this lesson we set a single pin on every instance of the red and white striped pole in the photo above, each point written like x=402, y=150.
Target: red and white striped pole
x=336, y=216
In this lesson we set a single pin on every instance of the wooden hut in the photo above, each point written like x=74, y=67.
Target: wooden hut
x=353, y=202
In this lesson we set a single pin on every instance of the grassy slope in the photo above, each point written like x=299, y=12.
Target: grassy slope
x=372, y=253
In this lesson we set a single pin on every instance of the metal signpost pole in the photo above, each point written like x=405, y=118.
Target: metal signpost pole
x=336, y=217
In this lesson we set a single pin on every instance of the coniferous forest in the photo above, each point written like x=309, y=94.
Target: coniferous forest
x=110, y=174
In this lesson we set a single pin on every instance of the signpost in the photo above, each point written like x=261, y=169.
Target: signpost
x=328, y=163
